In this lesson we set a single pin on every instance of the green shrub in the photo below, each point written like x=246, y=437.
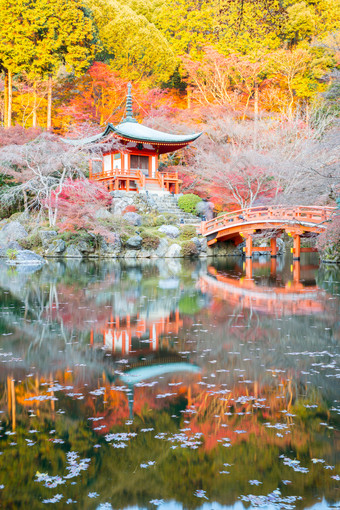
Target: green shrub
x=69, y=236
x=158, y=221
x=74, y=237
x=188, y=232
x=189, y=202
x=11, y=254
x=31, y=241
x=150, y=242
x=189, y=249
x=170, y=219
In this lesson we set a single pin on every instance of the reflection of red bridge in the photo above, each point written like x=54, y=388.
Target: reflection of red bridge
x=123, y=335
x=294, y=298
x=240, y=225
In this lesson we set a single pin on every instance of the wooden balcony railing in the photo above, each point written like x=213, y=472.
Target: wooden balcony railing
x=164, y=179
x=160, y=179
x=170, y=176
x=141, y=178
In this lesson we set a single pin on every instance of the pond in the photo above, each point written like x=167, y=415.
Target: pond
x=170, y=384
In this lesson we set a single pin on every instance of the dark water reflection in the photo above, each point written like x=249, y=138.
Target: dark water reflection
x=170, y=384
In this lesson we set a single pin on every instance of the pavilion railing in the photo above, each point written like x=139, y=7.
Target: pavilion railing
x=160, y=179
x=170, y=176
x=141, y=178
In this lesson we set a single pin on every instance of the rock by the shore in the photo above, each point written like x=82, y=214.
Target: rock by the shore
x=134, y=242
x=46, y=236
x=170, y=230
x=174, y=251
x=110, y=249
x=280, y=245
x=85, y=247
x=224, y=248
x=55, y=248
x=197, y=243
x=162, y=248
x=133, y=218
x=204, y=244
x=12, y=231
x=26, y=257
x=73, y=251
x=130, y=254
x=103, y=214
x=14, y=245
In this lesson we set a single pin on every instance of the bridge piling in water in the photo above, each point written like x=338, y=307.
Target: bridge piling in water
x=249, y=246
x=296, y=247
x=273, y=247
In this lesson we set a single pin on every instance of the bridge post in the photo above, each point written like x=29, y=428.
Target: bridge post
x=249, y=246
x=273, y=247
x=296, y=247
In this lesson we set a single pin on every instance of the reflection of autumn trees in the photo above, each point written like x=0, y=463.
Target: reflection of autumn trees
x=193, y=407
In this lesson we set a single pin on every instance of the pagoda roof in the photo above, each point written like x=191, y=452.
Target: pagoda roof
x=138, y=132
x=130, y=130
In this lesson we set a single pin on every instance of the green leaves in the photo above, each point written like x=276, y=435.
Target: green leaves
x=132, y=44
x=40, y=35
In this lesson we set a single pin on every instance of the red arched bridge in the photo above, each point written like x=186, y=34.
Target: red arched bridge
x=241, y=225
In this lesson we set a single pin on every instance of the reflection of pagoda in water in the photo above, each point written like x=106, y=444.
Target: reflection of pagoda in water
x=145, y=343
x=136, y=334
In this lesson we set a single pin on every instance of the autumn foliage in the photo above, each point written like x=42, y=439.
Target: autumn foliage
x=78, y=204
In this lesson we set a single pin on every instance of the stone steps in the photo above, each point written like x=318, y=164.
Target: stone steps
x=167, y=204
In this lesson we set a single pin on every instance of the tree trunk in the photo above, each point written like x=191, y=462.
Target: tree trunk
x=49, y=103
x=34, y=121
x=189, y=94
x=10, y=93
x=6, y=99
x=256, y=113
x=25, y=201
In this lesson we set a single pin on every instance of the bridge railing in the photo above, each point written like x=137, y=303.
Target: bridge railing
x=313, y=214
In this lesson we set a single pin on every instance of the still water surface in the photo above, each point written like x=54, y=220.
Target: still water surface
x=170, y=384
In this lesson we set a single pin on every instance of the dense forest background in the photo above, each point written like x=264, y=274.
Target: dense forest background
x=67, y=62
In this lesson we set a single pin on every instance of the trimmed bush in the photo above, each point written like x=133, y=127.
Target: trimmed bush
x=189, y=249
x=188, y=232
x=150, y=242
x=189, y=202
x=32, y=241
x=170, y=219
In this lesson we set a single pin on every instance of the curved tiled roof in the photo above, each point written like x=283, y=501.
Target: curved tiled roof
x=132, y=130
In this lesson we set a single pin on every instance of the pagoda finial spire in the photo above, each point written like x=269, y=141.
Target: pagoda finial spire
x=129, y=113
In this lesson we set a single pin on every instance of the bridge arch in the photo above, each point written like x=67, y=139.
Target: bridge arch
x=298, y=221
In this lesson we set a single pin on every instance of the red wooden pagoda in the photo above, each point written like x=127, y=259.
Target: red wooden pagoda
x=130, y=163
